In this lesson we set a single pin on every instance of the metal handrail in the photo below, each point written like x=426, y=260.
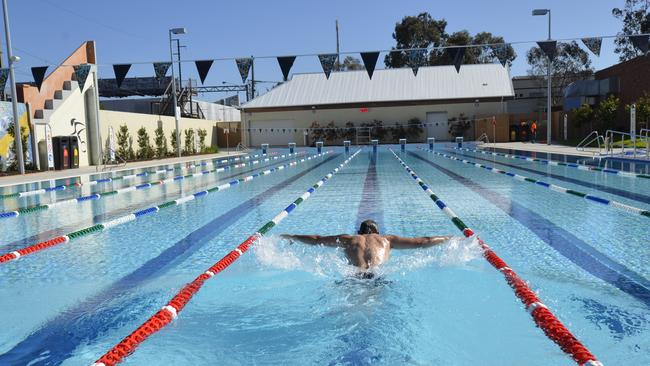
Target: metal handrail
x=242, y=148
x=609, y=139
x=108, y=164
x=485, y=137
x=586, y=141
x=645, y=136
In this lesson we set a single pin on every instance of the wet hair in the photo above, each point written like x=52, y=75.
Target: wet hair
x=368, y=227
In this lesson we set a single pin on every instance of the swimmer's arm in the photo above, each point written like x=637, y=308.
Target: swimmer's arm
x=398, y=242
x=331, y=241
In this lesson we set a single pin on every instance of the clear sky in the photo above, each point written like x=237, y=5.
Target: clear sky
x=46, y=31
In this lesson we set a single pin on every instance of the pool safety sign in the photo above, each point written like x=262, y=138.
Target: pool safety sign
x=111, y=142
x=50, y=148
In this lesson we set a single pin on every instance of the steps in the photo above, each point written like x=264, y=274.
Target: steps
x=42, y=116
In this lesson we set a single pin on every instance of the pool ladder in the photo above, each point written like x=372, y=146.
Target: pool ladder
x=592, y=137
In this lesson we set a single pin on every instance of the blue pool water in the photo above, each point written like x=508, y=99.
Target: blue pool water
x=295, y=304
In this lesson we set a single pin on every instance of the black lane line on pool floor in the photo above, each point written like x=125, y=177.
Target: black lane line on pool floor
x=615, y=191
x=59, y=337
x=17, y=244
x=571, y=247
x=370, y=207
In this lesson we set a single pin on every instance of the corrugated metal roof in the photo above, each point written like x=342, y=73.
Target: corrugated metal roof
x=389, y=85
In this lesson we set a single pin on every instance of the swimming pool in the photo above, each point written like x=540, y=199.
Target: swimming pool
x=294, y=304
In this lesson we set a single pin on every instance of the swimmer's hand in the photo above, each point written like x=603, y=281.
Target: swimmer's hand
x=288, y=237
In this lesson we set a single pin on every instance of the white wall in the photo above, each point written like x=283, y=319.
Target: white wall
x=135, y=121
x=388, y=115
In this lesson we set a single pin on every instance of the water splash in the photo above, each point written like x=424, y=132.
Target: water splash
x=277, y=253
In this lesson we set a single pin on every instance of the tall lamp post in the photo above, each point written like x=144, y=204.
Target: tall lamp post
x=14, y=101
x=548, y=77
x=177, y=31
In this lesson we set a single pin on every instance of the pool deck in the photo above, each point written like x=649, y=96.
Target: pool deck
x=88, y=170
x=542, y=148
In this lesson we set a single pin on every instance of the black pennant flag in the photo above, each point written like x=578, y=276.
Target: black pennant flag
x=244, y=66
x=500, y=51
x=370, y=62
x=4, y=74
x=285, y=65
x=457, y=54
x=549, y=48
x=203, y=67
x=81, y=74
x=416, y=58
x=327, y=63
x=593, y=44
x=640, y=42
x=160, y=68
x=120, y=73
x=39, y=74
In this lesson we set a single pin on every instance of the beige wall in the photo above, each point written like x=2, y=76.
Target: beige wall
x=388, y=115
x=151, y=122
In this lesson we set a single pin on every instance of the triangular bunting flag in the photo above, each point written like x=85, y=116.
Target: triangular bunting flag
x=120, y=73
x=370, y=62
x=593, y=44
x=327, y=63
x=549, y=48
x=244, y=66
x=457, y=54
x=285, y=65
x=160, y=68
x=500, y=51
x=39, y=75
x=416, y=58
x=640, y=42
x=203, y=67
x=4, y=75
x=81, y=74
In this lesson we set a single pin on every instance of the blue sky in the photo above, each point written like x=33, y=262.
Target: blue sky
x=46, y=31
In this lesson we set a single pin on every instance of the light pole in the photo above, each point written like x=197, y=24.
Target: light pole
x=548, y=77
x=177, y=31
x=14, y=102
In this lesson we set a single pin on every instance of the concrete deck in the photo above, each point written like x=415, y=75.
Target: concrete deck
x=90, y=170
x=543, y=148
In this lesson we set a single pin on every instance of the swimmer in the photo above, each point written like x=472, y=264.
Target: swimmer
x=368, y=248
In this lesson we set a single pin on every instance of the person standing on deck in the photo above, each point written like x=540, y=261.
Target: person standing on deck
x=533, y=132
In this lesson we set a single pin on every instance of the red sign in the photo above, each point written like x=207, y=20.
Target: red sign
x=494, y=121
x=363, y=110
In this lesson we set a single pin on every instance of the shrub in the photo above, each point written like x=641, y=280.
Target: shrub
x=161, y=142
x=173, y=142
x=23, y=138
x=316, y=133
x=145, y=151
x=414, y=129
x=331, y=132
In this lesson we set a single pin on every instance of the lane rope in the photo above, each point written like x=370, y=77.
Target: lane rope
x=122, y=177
x=141, y=186
x=543, y=317
x=552, y=187
x=170, y=311
x=62, y=239
x=558, y=163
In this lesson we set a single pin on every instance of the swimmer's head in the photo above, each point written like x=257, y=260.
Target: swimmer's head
x=368, y=227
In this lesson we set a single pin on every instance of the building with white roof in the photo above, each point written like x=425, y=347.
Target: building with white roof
x=435, y=95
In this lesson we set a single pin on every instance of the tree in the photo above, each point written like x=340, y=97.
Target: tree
x=316, y=133
x=331, y=133
x=458, y=126
x=414, y=129
x=161, y=142
x=145, y=151
x=571, y=63
x=349, y=132
x=349, y=64
x=172, y=138
x=607, y=110
x=202, y=134
x=189, y=142
x=423, y=31
x=636, y=19
x=124, y=149
x=583, y=115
